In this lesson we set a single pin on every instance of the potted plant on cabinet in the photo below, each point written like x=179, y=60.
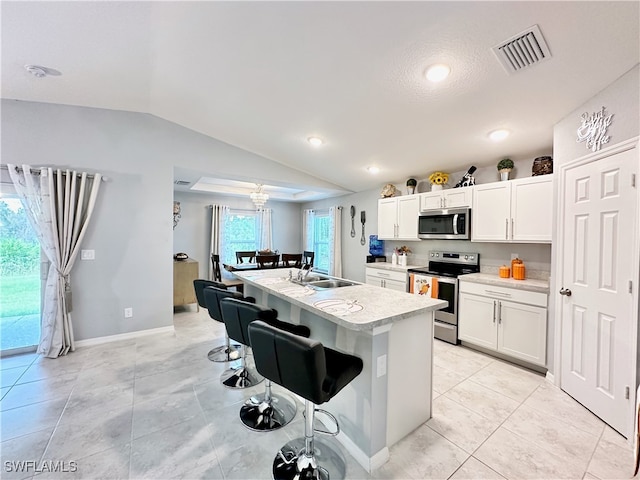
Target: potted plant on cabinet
x=411, y=186
x=504, y=167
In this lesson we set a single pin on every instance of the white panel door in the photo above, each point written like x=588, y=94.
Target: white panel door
x=600, y=221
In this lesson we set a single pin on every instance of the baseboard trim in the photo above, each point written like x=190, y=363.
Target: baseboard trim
x=123, y=336
x=550, y=378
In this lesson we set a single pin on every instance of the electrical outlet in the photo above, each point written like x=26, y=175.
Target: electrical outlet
x=128, y=312
x=87, y=254
x=381, y=367
x=514, y=255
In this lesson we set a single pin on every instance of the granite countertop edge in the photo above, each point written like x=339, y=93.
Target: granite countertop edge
x=369, y=318
x=391, y=267
x=531, y=285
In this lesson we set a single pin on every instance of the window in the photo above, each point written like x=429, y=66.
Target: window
x=320, y=240
x=240, y=231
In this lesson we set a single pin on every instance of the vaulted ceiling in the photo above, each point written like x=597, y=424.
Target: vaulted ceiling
x=265, y=76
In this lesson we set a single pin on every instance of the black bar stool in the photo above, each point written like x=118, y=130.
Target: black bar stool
x=212, y=295
x=317, y=374
x=260, y=412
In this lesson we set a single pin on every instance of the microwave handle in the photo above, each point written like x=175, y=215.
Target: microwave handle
x=455, y=224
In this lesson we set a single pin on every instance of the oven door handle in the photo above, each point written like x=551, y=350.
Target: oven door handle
x=455, y=224
x=453, y=281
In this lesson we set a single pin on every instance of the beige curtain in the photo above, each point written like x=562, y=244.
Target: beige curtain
x=218, y=212
x=335, y=241
x=59, y=205
x=265, y=236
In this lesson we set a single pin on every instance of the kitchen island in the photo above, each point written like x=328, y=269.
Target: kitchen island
x=392, y=332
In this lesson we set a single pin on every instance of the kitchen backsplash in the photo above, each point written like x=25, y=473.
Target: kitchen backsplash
x=536, y=257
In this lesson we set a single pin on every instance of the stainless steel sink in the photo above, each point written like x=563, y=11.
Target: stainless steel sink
x=331, y=283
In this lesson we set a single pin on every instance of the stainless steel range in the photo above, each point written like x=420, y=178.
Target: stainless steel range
x=439, y=279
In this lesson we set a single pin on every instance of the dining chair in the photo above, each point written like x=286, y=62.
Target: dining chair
x=268, y=261
x=292, y=260
x=249, y=256
x=307, y=258
x=217, y=275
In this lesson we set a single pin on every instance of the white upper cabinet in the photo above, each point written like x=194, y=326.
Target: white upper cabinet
x=398, y=217
x=514, y=211
x=451, y=198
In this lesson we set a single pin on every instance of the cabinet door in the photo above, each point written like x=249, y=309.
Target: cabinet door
x=457, y=197
x=491, y=212
x=476, y=320
x=395, y=285
x=371, y=280
x=408, y=211
x=387, y=218
x=431, y=201
x=522, y=331
x=531, y=209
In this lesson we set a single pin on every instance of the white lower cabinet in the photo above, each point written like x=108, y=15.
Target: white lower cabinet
x=386, y=279
x=510, y=321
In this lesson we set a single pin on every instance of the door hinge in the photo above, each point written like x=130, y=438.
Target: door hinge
x=630, y=286
x=633, y=179
x=626, y=393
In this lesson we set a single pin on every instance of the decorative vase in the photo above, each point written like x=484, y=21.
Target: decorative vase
x=411, y=190
x=435, y=188
x=402, y=260
x=504, y=174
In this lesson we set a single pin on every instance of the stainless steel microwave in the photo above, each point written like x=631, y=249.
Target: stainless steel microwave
x=449, y=223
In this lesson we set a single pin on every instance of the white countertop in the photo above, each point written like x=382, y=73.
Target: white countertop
x=357, y=307
x=531, y=285
x=390, y=266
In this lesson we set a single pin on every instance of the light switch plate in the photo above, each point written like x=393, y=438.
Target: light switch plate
x=381, y=367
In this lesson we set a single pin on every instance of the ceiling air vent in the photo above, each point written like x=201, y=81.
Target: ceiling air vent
x=523, y=50
x=182, y=183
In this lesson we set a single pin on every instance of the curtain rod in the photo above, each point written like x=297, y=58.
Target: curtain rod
x=37, y=172
x=239, y=209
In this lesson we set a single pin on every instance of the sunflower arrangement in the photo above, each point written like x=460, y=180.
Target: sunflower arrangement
x=438, y=178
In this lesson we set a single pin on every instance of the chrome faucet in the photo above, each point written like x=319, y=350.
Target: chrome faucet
x=302, y=274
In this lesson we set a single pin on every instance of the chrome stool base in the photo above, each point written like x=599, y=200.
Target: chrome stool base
x=240, y=377
x=225, y=353
x=291, y=463
x=261, y=415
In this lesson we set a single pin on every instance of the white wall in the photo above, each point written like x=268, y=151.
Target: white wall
x=131, y=230
x=622, y=99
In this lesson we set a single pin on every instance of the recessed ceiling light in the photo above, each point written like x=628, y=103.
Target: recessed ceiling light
x=373, y=169
x=499, y=135
x=437, y=73
x=315, y=141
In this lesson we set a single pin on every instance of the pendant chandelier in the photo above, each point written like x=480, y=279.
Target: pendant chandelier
x=259, y=197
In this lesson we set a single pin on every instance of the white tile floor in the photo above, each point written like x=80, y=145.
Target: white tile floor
x=154, y=408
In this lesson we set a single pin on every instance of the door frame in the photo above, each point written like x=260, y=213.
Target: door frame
x=558, y=271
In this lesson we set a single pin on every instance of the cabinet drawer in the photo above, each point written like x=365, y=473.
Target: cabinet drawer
x=502, y=293
x=386, y=274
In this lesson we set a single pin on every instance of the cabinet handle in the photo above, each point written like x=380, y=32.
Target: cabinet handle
x=506, y=229
x=499, y=313
x=494, y=311
x=493, y=292
x=512, y=229
x=383, y=274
